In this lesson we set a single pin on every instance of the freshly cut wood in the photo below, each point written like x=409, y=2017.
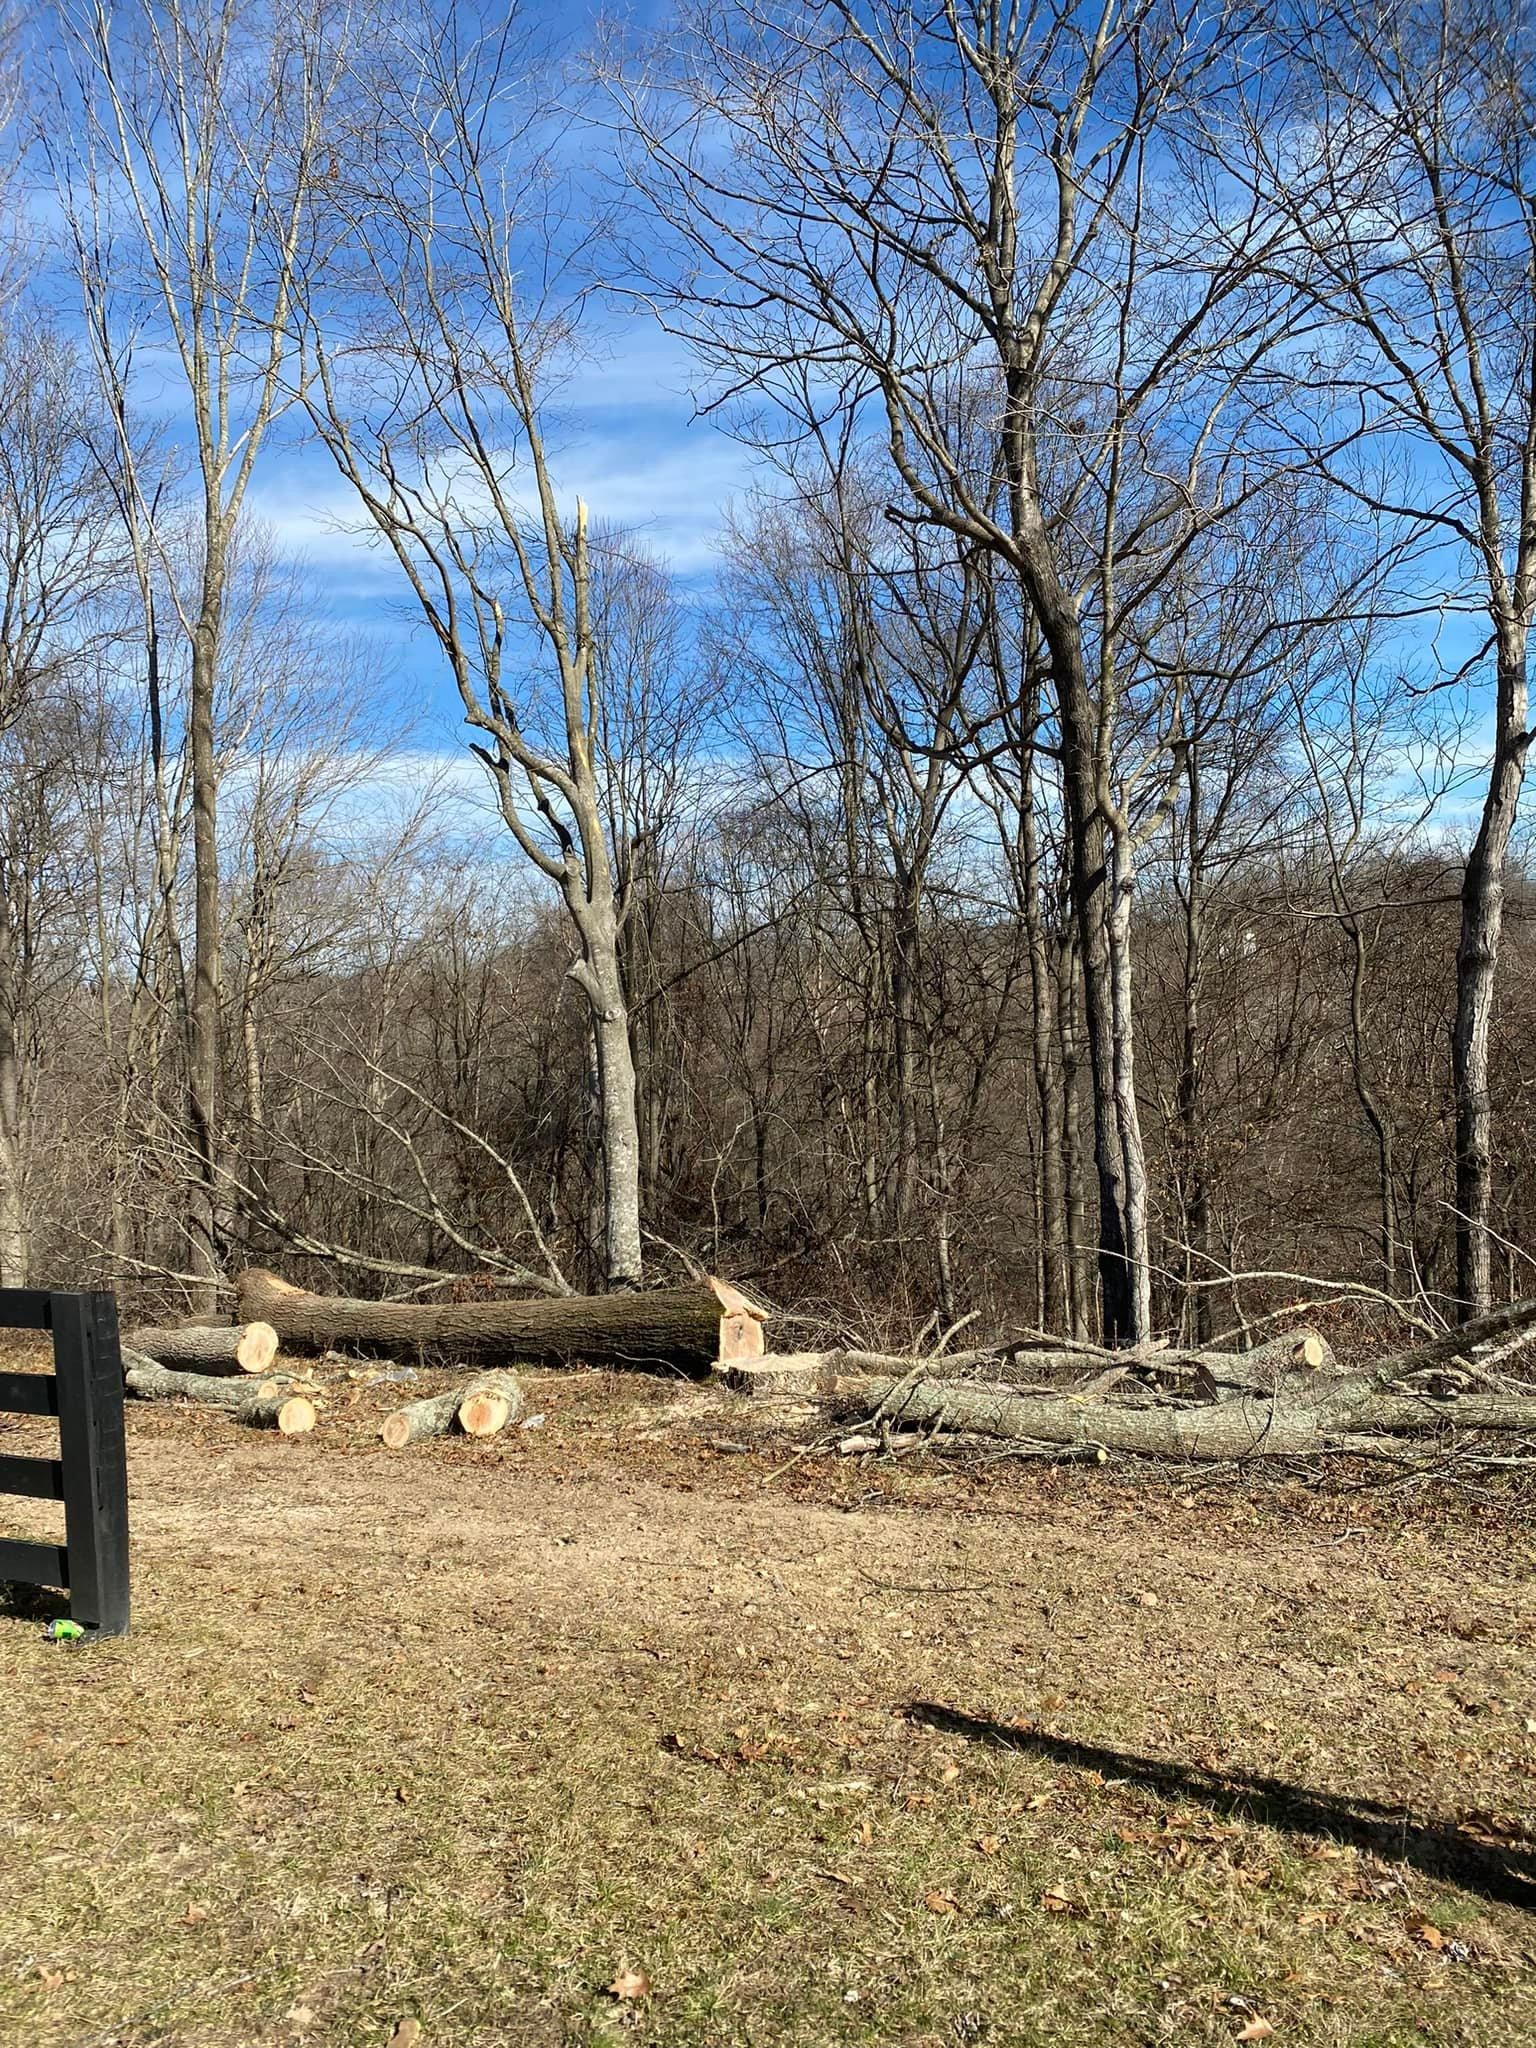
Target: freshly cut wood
x=1244, y=1427
x=292, y=1414
x=694, y=1327
x=480, y=1408
x=232, y=1347
x=489, y=1405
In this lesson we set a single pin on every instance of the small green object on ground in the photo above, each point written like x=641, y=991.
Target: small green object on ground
x=65, y=1632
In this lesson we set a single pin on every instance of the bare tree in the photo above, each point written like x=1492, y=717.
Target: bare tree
x=962, y=225
x=436, y=363
x=187, y=162
x=1399, y=146
x=58, y=554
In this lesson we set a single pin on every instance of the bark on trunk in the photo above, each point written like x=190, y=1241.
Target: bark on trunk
x=240, y=1348
x=1249, y=1426
x=203, y=1014
x=691, y=1327
x=1477, y=955
x=1127, y=1111
x=1054, y=1304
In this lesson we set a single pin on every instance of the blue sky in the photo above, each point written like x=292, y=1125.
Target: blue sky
x=623, y=433
x=630, y=442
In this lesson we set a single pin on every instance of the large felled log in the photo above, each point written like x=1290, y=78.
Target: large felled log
x=481, y=1408
x=289, y=1413
x=232, y=1348
x=798, y=1373
x=1245, y=1427
x=694, y=1327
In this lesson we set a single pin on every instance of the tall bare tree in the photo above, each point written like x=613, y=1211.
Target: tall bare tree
x=188, y=160
x=962, y=224
x=1397, y=139
x=438, y=352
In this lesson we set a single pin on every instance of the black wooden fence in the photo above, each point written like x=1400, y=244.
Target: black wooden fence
x=90, y=1474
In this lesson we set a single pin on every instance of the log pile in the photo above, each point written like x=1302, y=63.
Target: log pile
x=274, y=1403
x=1291, y=1398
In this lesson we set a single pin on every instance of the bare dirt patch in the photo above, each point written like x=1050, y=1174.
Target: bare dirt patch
x=784, y=1748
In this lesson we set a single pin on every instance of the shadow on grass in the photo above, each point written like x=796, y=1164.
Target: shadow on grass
x=1439, y=1849
x=32, y=1603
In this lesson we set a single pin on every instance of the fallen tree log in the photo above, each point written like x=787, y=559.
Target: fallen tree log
x=267, y=1404
x=481, y=1408
x=694, y=1327
x=1299, y=1354
x=1247, y=1426
x=231, y=1348
x=1461, y=1342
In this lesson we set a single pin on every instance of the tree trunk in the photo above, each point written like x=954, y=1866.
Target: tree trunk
x=1080, y=1270
x=203, y=1014
x=238, y=1348
x=691, y=1327
x=1247, y=1427
x=905, y=944
x=1127, y=1110
x=1477, y=956
x=1055, y=1290
x=1189, y=1094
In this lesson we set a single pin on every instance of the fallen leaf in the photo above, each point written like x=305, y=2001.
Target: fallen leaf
x=989, y=1845
x=939, y=1902
x=300, y=2016
x=51, y=1981
x=193, y=1914
x=631, y=1984
x=1256, y=2030
x=1427, y=1932
x=407, y=2033
x=950, y=1773
x=1055, y=1901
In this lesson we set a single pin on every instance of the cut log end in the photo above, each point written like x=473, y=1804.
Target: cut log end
x=395, y=1430
x=484, y=1414
x=296, y=1416
x=256, y=1348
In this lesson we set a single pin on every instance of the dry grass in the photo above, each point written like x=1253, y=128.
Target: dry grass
x=464, y=1732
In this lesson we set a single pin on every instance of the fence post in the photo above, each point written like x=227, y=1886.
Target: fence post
x=93, y=1451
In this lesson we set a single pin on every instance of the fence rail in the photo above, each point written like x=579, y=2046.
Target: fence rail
x=90, y=1474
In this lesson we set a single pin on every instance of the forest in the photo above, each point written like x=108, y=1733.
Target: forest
x=1055, y=861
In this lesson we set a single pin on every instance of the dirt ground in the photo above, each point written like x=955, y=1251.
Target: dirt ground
x=612, y=1729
